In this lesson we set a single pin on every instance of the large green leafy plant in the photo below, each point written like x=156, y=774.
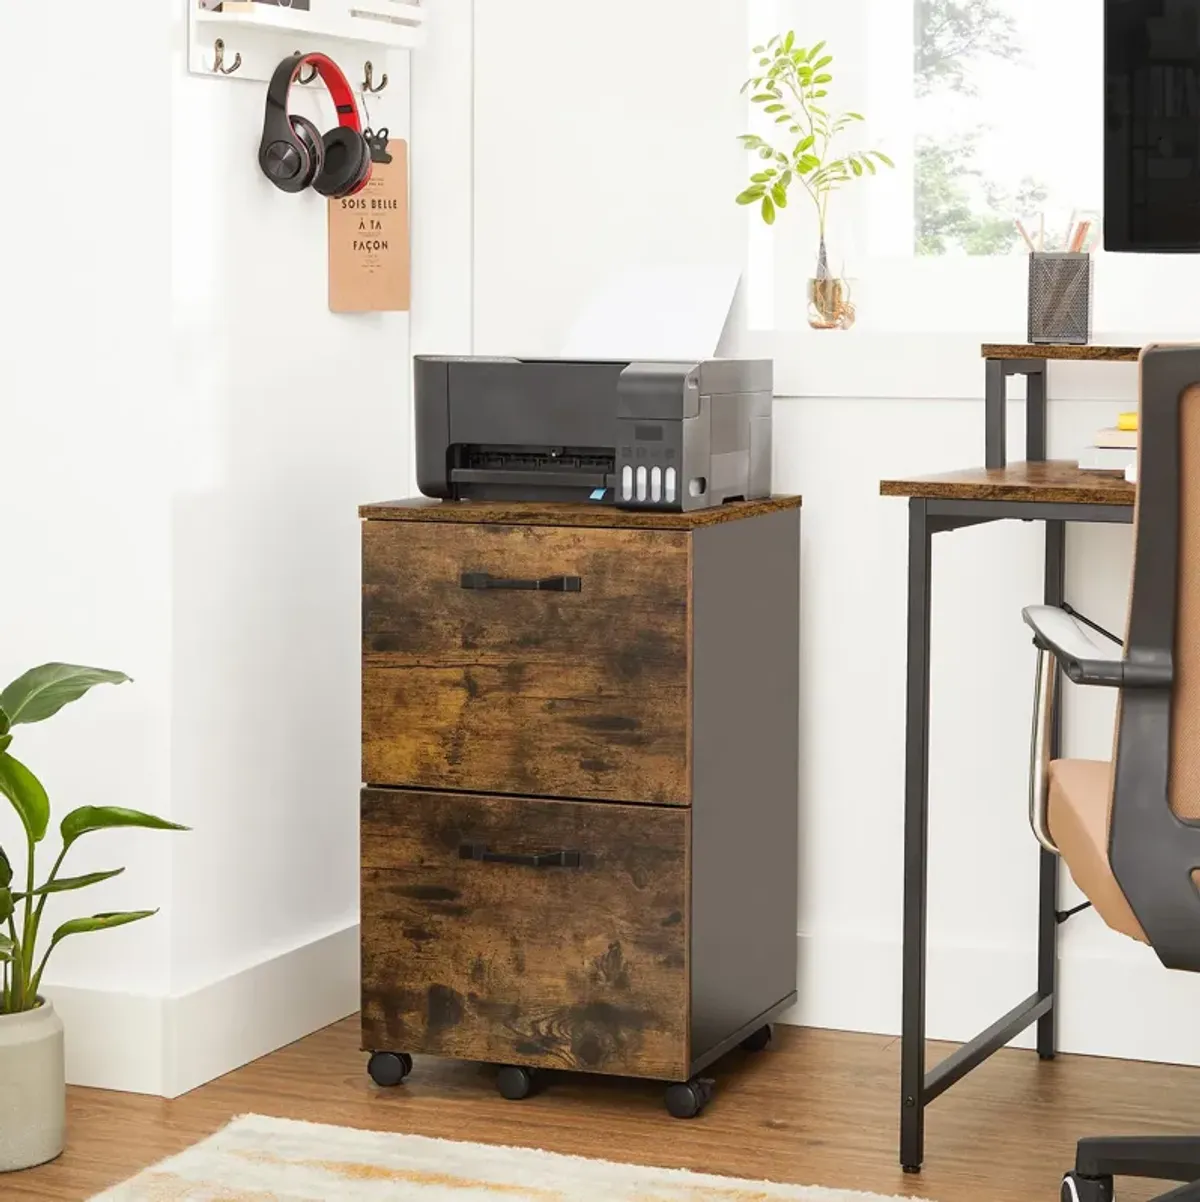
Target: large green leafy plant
x=791, y=87
x=34, y=697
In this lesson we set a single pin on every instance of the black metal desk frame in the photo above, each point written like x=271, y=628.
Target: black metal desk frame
x=995, y=408
x=927, y=517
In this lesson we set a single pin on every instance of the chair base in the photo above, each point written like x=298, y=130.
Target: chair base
x=1158, y=1158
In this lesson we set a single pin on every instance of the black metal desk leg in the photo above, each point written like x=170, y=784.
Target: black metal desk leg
x=916, y=839
x=995, y=414
x=1054, y=586
x=1035, y=411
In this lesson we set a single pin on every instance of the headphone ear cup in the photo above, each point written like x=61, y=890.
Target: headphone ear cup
x=364, y=175
x=347, y=164
x=310, y=136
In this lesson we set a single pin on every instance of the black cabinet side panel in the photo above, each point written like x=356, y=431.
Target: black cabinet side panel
x=745, y=786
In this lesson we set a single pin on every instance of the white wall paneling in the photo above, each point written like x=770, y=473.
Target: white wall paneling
x=254, y=43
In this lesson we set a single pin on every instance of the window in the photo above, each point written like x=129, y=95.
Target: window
x=1007, y=122
x=992, y=110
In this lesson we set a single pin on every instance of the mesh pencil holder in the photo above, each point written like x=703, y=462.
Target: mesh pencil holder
x=1060, y=297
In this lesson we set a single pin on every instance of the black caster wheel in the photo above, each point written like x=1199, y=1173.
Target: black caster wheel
x=1086, y=1189
x=389, y=1068
x=514, y=1082
x=687, y=1100
x=758, y=1041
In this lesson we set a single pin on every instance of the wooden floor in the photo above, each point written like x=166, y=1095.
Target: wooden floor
x=819, y=1108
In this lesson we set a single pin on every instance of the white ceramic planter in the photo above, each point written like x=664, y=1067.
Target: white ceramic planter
x=33, y=1090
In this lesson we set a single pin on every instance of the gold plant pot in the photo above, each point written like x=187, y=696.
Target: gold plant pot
x=829, y=306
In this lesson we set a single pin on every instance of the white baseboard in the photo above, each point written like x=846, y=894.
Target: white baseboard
x=167, y=1046
x=1124, y=1005
x=113, y=1040
x=238, y=1019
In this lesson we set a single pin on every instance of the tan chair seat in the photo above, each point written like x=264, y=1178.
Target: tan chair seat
x=1080, y=793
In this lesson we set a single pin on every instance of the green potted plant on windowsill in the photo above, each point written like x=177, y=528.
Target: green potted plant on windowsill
x=32, y=1075
x=791, y=87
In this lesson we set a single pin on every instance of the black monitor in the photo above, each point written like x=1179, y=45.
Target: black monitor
x=1151, y=125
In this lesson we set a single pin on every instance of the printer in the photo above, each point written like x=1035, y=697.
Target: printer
x=640, y=435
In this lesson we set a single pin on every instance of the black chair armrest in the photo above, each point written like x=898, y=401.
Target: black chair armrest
x=1086, y=661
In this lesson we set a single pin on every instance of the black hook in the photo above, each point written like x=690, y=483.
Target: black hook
x=369, y=84
x=311, y=77
x=219, y=61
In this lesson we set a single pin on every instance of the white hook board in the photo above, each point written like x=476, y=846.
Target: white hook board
x=353, y=32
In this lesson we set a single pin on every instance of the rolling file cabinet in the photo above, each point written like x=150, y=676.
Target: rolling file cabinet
x=579, y=823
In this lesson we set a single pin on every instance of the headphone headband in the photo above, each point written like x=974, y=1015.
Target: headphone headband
x=332, y=77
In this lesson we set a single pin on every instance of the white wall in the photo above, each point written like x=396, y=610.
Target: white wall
x=603, y=137
x=629, y=157
x=292, y=417
x=1115, y=998
x=188, y=433
x=84, y=392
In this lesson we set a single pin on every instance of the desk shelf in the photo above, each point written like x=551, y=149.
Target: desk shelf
x=1092, y=352
x=1049, y=482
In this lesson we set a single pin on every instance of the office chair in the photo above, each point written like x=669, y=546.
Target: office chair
x=1129, y=830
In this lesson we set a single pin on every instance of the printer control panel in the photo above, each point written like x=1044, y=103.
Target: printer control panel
x=649, y=468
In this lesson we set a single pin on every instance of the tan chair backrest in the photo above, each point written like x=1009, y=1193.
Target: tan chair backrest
x=1154, y=814
x=1185, y=711
x=1184, y=788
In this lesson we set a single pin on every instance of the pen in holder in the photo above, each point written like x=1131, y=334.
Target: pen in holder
x=1060, y=297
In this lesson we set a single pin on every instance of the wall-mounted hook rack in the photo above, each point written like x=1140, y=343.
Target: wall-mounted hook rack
x=347, y=30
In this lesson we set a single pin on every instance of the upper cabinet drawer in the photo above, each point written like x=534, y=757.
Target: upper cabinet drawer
x=473, y=679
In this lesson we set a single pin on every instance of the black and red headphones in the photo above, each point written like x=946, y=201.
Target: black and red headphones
x=294, y=155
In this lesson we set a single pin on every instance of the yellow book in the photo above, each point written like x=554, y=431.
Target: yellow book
x=1127, y=421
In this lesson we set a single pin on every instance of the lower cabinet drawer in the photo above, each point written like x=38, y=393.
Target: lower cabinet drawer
x=512, y=931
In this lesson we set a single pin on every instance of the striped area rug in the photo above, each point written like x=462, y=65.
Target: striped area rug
x=257, y=1159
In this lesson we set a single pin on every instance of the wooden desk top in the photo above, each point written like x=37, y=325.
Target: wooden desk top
x=1056, y=481
x=538, y=513
x=1031, y=350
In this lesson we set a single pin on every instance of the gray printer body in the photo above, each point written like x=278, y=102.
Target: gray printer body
x=641, y=435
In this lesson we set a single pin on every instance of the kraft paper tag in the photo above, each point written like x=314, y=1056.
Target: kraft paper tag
x=368, y=241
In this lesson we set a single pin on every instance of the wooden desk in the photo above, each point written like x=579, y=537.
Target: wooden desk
x=1055, y=493
x=1030, y=359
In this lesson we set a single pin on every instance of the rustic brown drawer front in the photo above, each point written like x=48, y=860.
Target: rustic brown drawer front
x=495, y=959
x=503, y=690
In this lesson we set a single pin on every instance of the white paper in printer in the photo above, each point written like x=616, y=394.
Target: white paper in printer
x=663, y=313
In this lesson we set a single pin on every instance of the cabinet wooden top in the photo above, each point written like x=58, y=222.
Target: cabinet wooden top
x=1095, y=352
x=534, y=513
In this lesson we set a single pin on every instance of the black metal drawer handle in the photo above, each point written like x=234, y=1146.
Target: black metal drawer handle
x=548, y=584
x=545, y=859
